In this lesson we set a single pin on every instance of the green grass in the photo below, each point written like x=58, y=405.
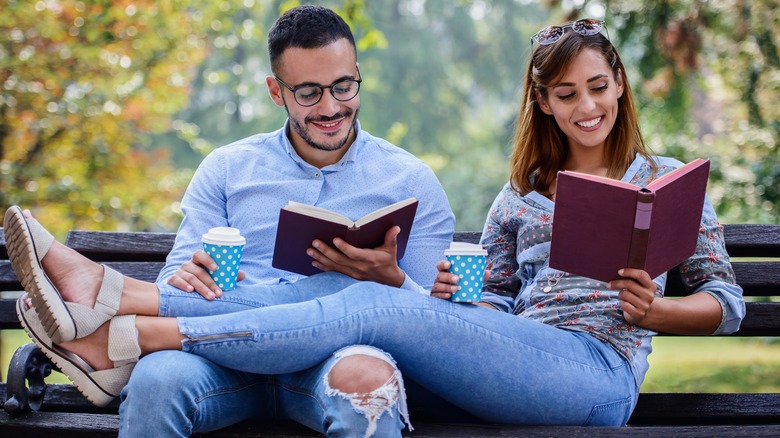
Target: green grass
x=695, y=364
x=714, y=364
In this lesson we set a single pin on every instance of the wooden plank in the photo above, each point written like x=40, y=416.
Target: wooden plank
x=8, y=280
x=62, y=424
x=703, y=408
x=761, y=319
x=742, y=240
x=652, y=408
x=125, y=246
x=752, y=240
x=757, y=279
x=142, y=270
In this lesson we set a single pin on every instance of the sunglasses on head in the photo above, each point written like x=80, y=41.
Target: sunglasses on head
x=585, y=26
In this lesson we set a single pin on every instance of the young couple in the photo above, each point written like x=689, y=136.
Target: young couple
x=543, y=348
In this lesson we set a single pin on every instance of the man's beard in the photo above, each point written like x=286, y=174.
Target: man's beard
x=303, y=132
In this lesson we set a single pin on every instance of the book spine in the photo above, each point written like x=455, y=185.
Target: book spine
x=637, y=254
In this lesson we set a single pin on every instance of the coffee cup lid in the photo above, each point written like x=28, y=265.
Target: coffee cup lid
x=464, y=248
x=224, y=236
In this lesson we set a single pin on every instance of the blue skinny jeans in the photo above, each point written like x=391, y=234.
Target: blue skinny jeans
x=176, y=394
x=496, y=366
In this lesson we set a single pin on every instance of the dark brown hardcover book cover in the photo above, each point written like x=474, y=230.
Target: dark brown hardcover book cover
x=300, y=225
x=601, y=225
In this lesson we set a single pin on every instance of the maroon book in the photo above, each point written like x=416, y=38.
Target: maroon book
x=300, y=225
x=601, y=225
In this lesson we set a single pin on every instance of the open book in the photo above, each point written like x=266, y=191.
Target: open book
x=301, y=224
x=601, y=225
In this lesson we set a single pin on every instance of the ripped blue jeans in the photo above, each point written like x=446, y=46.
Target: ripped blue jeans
x=173, y=393
x=496, y=366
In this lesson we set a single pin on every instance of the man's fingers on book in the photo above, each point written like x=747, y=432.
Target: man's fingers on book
x=392, y=235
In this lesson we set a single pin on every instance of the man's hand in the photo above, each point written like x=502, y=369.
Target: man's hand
x=193, y=276
x=379, y=264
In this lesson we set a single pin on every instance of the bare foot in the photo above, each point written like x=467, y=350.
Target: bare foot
x=76, y=277
x=92, y=349
x=79, y=280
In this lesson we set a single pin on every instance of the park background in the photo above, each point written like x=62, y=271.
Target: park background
x=107, y=107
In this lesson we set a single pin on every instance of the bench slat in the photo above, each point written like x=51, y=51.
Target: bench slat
x=752, y=240
x=65, y=425
x=735, y=408
x=652, y=408
x=742, y=240
x=125, y=246
x=756, y=278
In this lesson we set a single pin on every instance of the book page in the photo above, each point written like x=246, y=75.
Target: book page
x=319, y=212
x=601, y=179
x=670, y=177
x=383, y=211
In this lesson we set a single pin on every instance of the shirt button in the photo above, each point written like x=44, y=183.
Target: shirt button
x=316, y=174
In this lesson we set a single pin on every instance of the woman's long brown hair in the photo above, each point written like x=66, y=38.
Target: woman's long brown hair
x=540, y=147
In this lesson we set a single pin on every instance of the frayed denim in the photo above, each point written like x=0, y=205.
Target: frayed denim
x=174, y=393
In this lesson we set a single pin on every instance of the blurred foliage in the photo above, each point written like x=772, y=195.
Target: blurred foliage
x=81, y=83
x=107, y=107
x=709, y=81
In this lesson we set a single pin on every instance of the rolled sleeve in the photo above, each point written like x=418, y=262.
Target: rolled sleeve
x=731, y=303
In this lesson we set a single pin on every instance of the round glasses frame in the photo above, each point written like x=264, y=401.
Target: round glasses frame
x=585, y=26
x=301, y=91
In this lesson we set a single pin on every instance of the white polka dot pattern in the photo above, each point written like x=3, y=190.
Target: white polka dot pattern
x=228, y=260
x=471, y=270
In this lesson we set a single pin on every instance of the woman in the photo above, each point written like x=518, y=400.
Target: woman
x=540, y=349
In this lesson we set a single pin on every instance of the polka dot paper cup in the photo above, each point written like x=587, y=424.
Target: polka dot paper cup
x=224, y=245
x=467, y=261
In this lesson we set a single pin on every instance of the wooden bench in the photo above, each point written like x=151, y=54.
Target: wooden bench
x=33, y=408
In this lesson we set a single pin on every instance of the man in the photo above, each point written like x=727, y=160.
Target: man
x=320, y=157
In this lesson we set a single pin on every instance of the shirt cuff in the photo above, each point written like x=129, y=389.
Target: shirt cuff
x=722, y=312
x=409, y=284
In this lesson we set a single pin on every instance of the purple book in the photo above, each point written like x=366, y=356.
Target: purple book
x=601, y=225
x=300, y=225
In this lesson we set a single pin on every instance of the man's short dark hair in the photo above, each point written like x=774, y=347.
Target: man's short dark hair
x=306, y=27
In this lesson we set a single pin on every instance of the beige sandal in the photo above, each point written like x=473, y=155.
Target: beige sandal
x=99, y=387
x=28, y=242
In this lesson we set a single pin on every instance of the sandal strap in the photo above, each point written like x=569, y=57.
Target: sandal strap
x=87, y=320
x=110, y=292
x=42, y=239
x=123, y=346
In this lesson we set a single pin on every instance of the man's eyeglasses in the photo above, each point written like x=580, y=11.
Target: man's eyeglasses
x=310, y=95
x=585, y=26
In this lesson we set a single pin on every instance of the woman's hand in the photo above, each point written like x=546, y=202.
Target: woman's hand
x=696, y=314
x=637, y=294
x=446, y=283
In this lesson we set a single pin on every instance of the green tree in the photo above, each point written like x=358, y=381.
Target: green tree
x=81, y=81
x=708, y=76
